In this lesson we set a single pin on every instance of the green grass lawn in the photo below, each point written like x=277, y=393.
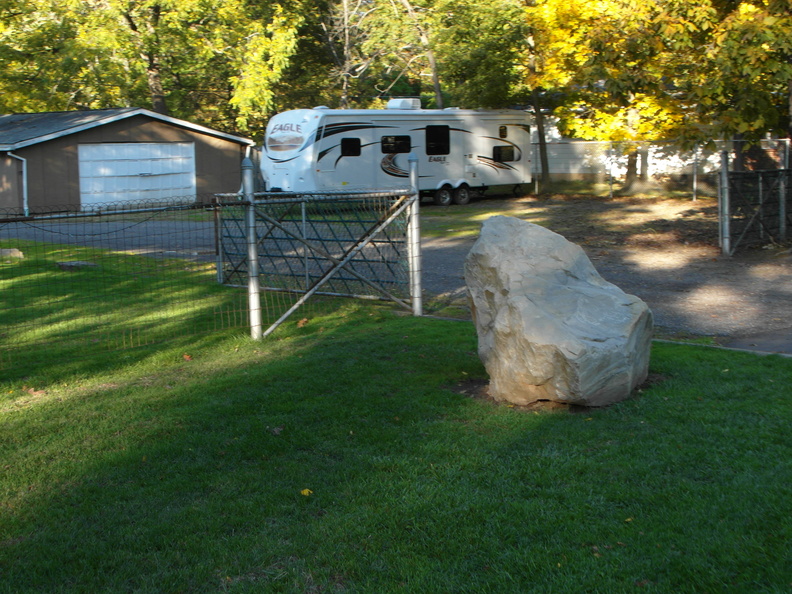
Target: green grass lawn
x=115, y=300
x=337, y=456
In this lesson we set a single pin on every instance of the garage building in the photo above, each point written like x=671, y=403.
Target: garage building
x=78, y=160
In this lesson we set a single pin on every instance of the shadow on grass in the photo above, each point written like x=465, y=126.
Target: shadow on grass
x=58, y=320
x=335, y=458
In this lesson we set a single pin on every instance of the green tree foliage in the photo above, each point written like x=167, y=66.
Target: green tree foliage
x=480, y=46
x=399, y=43
x=39, y=57
x=215, y=61
x=749, y=59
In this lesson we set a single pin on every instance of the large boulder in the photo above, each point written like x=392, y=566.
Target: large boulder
x=549, y=326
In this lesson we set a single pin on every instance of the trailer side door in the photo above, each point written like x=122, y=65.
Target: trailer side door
x=346, y=154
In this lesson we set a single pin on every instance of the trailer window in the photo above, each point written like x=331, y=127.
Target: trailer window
x=438, y=140
x=395, y=144
x=503, y=154
x=350, y=147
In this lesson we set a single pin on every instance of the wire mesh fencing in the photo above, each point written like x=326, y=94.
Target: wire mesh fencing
x=755, y=195
x=135, y=274
x=300, y=238
x=113, y=279
x=759, y=209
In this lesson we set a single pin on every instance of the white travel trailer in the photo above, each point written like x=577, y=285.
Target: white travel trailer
x=460, y=152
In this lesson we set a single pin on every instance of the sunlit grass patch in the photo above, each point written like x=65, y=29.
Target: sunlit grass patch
x=59, y=293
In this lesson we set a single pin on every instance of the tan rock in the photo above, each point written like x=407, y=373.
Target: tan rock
x=9, y=253
x=549, y=326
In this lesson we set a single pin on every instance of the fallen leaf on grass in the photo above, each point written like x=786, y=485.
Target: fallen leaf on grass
x=187, y=357
x=302, y=323
x=306, y=492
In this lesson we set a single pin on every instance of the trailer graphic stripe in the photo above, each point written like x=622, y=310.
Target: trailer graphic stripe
x=389, y=166
x=322, y=154
x=509, y=142
x=497, y=165
x=344, y=128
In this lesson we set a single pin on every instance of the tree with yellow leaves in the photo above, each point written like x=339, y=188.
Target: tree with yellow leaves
x=674, y=69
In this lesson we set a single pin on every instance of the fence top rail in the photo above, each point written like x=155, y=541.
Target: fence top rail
x=365, y=193
x=114, y=210
x=756, y=172
x=264, y=198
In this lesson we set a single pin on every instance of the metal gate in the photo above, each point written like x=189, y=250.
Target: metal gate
x=756, y=208
x=341, y=244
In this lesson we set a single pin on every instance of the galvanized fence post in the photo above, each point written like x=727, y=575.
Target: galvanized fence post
x=254, y=290
x=414, y=239
x=695, y=172
x=783, y=189
x=216, y=221
x=723, y=205
x=610, y=170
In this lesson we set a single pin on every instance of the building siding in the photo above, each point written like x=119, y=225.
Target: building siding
x=10, y=182
x=53, y=166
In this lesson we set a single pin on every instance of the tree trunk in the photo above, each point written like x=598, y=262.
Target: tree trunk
x=632, y=171
x=739, y=153
x=789, y=101
x=644, y=154
x=347, y=52
x=544, y=177
x=158, y=101
x=435, y=76
x=424, y=37
x=151, y=57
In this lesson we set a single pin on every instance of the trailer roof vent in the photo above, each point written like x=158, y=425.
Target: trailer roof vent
x=404, y=103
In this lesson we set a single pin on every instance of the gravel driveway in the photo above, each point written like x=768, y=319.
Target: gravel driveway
x=690, y=289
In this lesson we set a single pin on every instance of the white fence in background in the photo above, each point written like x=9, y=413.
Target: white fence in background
x=664, y=164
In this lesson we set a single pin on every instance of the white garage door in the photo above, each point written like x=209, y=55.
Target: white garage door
x=136, y=171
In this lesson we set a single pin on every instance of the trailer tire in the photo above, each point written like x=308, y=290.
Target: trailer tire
x=443, y=196
x=462, y=195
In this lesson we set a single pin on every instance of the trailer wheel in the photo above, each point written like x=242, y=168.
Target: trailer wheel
x=443, y=197
x=462, y=195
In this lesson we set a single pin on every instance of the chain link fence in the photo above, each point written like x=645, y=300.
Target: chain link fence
x=126, y=275
x=755, y=200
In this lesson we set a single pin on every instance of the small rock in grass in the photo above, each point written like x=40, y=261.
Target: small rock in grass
x=9, y=253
